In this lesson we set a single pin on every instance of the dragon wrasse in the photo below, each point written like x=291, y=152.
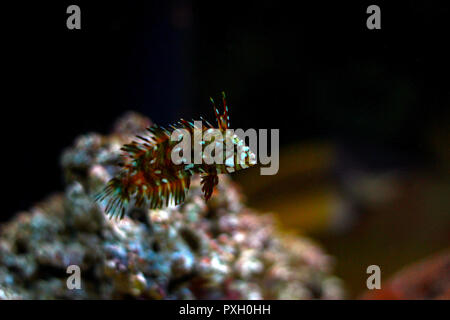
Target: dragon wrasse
x=150, y=178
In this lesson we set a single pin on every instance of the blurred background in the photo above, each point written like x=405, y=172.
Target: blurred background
x=363, y=114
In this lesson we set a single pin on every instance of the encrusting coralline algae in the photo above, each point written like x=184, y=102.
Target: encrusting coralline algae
x=197, y=250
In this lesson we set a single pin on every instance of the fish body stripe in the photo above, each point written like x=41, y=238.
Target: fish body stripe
x=149, y=178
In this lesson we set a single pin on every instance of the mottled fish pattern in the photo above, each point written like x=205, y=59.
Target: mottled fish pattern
x=149, y=178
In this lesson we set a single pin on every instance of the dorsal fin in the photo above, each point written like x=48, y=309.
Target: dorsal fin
x=223, y=120
x=158, y=134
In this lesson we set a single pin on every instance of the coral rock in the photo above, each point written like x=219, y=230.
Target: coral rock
x=197, y=250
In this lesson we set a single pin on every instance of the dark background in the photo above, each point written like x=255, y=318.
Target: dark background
x=312, y=70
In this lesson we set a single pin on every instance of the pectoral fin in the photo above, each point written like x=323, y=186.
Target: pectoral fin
x=208, y=182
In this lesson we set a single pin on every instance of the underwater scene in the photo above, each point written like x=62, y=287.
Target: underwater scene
x=185, y=150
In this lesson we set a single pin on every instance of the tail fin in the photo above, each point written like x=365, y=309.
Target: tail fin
x=117, y=197
x=223, y=120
